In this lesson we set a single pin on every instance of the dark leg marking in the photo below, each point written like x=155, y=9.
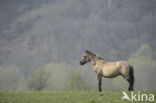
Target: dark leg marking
x=99, y=83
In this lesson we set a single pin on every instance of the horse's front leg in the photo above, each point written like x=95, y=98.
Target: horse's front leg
x=99, y=82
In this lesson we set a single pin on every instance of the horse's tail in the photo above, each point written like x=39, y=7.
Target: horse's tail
x=131, y=73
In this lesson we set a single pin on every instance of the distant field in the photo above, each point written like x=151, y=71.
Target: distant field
x=64, y=97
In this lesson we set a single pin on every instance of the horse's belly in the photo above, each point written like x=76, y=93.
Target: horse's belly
x=111, y=72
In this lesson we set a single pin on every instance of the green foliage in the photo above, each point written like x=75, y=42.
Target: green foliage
x=144, y=66
x=75, y=82
x=9, y=77
x=38, y=79
x=59, y=73
x=62, y=76
x=144, y=52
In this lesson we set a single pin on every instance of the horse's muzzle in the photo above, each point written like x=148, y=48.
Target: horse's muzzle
x=82, y=63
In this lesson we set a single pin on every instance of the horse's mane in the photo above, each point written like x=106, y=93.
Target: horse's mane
x=94, y=55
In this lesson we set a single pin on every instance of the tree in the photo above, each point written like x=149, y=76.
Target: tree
x=9, y=77
x=144, y=67
x=38, y=79
x=75, y=82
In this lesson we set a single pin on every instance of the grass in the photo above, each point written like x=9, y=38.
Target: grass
x=64, y=97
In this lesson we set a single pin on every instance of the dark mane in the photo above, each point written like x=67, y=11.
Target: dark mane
x=94, y=55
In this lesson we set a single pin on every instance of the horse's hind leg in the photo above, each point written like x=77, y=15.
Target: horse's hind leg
x=131, y=84
x=131, y=79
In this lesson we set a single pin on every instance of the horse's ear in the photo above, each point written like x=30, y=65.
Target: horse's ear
x=87, y=51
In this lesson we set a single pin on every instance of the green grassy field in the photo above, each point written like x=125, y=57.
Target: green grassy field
x=64, y=97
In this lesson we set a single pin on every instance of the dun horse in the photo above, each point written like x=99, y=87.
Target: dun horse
x=104, y=68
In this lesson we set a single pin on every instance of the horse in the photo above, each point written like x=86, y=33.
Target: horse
x=106, y=69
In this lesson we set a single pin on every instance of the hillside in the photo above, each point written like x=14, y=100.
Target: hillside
x=59, y=31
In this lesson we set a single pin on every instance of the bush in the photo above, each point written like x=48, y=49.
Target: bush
x=144, y=65
x=75, y=82
x=38, y=79
x=9, y=77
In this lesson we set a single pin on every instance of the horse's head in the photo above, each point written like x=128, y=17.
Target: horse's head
x=85, y=58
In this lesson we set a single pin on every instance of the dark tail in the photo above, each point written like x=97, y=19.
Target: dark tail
x=132, y=79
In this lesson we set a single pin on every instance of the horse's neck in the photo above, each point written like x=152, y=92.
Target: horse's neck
x=94, y=60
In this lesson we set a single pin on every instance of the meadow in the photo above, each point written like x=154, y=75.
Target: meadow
x=65, y=97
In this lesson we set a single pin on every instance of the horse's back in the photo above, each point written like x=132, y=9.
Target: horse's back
x=113, y=69
x=123, y=63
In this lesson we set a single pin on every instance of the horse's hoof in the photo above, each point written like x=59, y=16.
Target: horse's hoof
x=101, y=94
